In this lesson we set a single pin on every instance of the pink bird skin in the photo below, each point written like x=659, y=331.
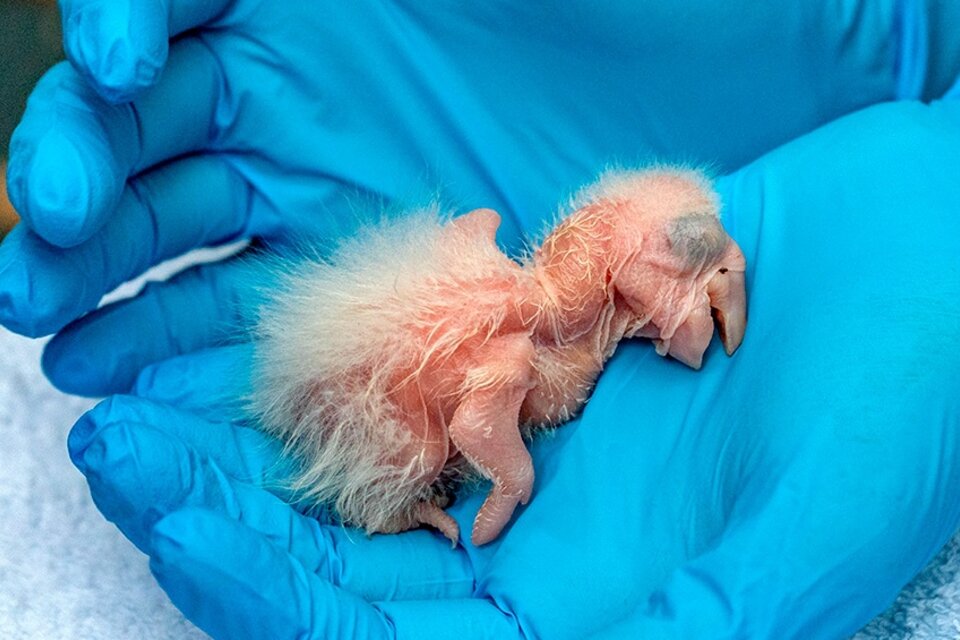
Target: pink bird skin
x=418, y=353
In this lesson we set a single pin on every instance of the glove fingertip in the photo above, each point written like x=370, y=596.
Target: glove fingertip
x=121, y=47
x=79, y=439
x=17, y=308
x=67, y=369
x=54, y=194
x=41, y=288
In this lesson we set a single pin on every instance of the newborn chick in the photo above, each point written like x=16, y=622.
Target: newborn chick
x=419, y=353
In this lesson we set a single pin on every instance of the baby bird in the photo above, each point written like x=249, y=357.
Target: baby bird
x=418, y=353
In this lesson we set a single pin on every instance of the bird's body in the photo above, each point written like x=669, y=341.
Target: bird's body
x=419, y=351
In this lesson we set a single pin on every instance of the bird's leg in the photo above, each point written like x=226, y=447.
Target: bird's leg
x=486, y=431
x=430, y=513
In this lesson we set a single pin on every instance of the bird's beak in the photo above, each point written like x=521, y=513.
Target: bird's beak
x=727, y=296
x=728, y=299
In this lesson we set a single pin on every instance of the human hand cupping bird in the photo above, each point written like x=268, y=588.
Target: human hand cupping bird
x=789, y=491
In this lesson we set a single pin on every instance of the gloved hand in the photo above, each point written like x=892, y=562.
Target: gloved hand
x=787, y=492
x=263, y=118
x=504, y=108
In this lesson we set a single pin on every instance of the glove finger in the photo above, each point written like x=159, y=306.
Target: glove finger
x=404, y=566
x=232, y=583
x=72, y=152
x=43, y=287
x=210, y=383
x=122, y=45
x=243, y=453
x=103, y=352
x=143, y=460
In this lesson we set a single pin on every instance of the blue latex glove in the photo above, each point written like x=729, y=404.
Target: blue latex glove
x=787, y=492
x=264, y=118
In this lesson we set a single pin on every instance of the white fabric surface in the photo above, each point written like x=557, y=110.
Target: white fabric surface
x=67, y=573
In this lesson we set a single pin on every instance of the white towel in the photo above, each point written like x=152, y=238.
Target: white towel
x=67, y=573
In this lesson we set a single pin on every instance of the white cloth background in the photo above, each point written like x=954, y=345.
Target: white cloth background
x=66, y=573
